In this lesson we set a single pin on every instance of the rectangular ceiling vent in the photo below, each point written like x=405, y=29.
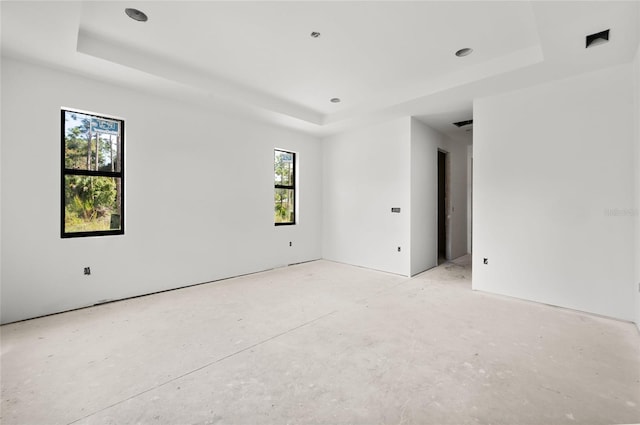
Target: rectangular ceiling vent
x=597, y=38
x=463, y=123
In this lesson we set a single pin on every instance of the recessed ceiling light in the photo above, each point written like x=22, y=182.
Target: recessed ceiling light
x=464, y=52
x=136, y=15
x=335, y=100
x=315, y=34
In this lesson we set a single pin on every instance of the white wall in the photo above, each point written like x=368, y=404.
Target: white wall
x=425, y=143
x=424, y=196
x=458, y=192
x=366, y=173
x=393, y=164
x=549, y=162
x=199, y=197
x=469, y=196
x=636, y=73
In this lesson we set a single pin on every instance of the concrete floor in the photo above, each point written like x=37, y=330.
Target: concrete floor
x=322, y=343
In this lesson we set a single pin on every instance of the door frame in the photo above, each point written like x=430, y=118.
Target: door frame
x=447, y=206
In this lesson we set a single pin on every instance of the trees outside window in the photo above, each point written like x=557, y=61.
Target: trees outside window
x=92, y=194
x=285, y=187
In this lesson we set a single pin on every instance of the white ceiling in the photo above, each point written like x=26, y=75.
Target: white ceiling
x=383, y=59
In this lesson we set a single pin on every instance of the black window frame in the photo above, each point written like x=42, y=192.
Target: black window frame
x=292, y=187
x=70, y=171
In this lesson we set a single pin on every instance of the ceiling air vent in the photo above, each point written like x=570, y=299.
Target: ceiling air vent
x=463, y=123
x=597, y=38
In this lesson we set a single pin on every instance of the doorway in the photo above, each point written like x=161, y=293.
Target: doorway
x=443, y=205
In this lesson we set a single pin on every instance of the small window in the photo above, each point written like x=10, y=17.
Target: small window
x=285, y=187
x=92, y=194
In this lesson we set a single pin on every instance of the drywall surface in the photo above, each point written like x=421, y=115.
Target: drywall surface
x=553, y=175
x=425, y=143
x=199, y=197
x=366, y=173
x=424, y=196
x=469, y=196
x=393, y=164
x=636, y=212
x=458, y=203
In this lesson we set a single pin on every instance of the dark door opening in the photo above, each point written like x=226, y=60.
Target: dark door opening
x=442, y=207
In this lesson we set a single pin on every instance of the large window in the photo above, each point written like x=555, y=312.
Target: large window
x=92, y=175
x=285, y=187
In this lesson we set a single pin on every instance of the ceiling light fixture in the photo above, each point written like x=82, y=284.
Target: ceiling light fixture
x=464, y=52
x=335, y=100
x=315, y=34
x=136, y=15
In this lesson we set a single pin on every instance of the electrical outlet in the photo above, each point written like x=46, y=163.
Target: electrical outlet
x=87, y=271
x=399, y=249
x=485, y=261
x=290, y=244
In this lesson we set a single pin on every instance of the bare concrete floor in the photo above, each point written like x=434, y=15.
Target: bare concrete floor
x=322, y=343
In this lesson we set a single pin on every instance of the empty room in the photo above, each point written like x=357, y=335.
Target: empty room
x=330, y=212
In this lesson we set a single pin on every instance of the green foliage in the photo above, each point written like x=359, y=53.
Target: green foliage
x=73, y=223
x=81, y=146
x=280, y=211
x=283, y=205
x=89, y=201
x=75, y=149
x=283, y=170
